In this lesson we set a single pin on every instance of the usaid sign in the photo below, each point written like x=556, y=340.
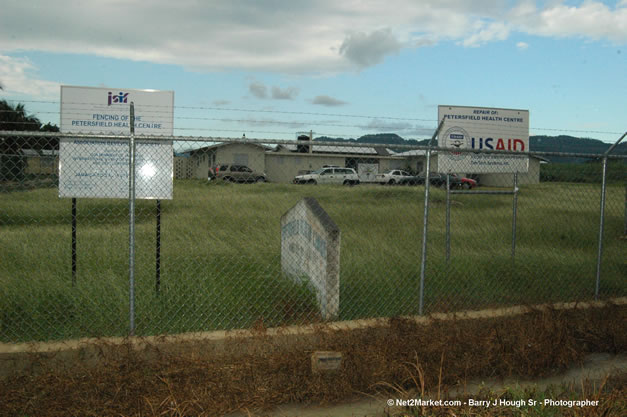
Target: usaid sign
x=99, y=168
x=483, y=128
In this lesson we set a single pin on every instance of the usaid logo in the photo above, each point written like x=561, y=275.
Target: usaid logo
x=117, y=99
x=456, y=137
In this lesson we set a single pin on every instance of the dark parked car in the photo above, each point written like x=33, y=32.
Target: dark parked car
x=235, y=173
x=438, y=180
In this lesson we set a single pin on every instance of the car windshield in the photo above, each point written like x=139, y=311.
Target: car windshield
x=318, y=171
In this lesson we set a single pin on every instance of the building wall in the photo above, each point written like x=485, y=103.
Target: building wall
x=418, y=164
x=183, y=167
x=388, y=164
x=199, y=162
x=507, y=180
x=284, y=166
x=250, y=155
x=48, y=165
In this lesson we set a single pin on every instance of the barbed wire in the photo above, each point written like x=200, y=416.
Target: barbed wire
x=295, y=123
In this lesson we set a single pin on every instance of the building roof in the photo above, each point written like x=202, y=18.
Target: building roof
x=413, y=152
x=39, y=152
x=359, y=150
x=221, y=144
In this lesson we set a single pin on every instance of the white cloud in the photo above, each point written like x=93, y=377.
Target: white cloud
x=495, y=31
x=300, y=36
x=327, y=101
x=288, y=93
x=19, y=76
x=366, y=50
x=522, y=45
x=591, y=19
x=258, y=90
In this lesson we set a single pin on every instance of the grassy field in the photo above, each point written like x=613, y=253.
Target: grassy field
x=220, y=264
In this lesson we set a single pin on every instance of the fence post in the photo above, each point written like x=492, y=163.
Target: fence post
x=158, y=250
x=73, y=242
x=600, y=254
x=514, y=214
x=602, y=221
x=448, y=218
x=131, y=201
x=423, y=262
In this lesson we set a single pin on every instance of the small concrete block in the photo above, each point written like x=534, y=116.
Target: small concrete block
x=323, y=361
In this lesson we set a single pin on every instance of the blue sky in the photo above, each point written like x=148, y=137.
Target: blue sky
x=272, y=68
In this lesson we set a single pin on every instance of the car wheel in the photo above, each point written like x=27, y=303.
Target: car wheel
x=391, y=182
x=260, y=179
x=227, y=179
x=312, y=182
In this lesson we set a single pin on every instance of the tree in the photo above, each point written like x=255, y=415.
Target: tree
x=15, y=118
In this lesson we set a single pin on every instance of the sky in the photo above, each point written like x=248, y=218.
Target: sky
x=271, y=69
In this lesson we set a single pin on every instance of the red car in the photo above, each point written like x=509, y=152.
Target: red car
x=466, y=183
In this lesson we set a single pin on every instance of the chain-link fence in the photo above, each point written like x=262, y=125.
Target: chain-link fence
x=270, y=233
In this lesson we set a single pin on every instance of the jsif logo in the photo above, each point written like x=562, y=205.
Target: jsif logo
x=117, y=99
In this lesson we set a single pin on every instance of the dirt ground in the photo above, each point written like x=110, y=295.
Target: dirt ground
x=255, y=374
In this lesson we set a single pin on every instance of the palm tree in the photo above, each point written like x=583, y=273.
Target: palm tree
x=16, y=118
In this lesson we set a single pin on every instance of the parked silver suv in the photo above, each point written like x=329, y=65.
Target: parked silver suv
x=329, y=175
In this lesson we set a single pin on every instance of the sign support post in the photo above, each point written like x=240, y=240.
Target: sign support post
x=131, y=199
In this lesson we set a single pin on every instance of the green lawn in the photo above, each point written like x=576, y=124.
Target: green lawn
x=221, y=256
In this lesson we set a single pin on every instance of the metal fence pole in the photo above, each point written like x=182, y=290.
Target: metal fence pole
x=514, y=214
x=602, y=221
x=73, y=242
x=601, y=226
x=423, y=262
x=158, y=250
x=448, y=218
x=131, y=200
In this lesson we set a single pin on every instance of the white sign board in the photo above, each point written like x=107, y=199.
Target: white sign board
x=106, y=111
x=483, y=128
x=96, y=168
x=93, y=168
x=310, y=250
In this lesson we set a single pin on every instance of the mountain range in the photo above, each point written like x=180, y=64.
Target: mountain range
x=538, y=143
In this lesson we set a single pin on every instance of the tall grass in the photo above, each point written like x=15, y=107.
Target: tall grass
x=220, y=256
